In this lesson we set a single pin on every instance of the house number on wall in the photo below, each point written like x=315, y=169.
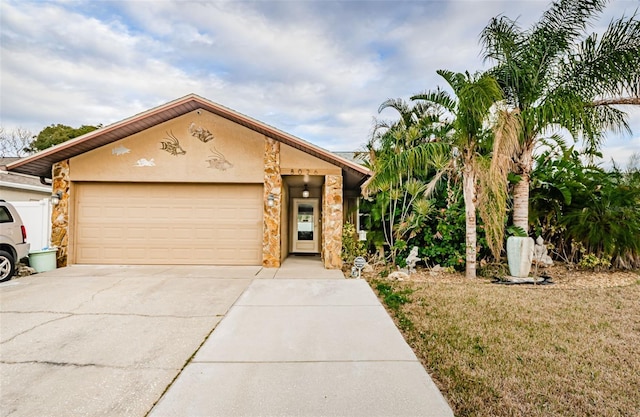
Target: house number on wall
x=301, y=171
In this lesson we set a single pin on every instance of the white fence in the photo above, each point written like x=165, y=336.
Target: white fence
x=36, y=216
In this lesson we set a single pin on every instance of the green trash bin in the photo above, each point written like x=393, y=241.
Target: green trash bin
x=43, y=260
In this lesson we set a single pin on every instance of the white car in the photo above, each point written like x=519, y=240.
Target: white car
x=13, y=240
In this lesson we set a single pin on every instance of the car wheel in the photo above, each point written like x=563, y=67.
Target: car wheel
x=7, y=266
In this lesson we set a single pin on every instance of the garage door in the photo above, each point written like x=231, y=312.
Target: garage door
x=205, y=224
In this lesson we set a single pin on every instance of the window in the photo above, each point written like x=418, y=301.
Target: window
x=305, y=222
x=5, y=216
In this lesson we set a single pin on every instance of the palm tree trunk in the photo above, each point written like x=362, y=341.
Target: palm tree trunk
x=469, y=194
x=521, y=203
x=521, y=189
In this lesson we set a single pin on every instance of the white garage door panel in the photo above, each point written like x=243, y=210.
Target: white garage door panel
x=207, y=224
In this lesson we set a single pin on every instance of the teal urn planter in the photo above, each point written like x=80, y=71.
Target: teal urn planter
x=520, y=255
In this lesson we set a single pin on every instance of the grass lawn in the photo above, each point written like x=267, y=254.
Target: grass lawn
x=569, y=349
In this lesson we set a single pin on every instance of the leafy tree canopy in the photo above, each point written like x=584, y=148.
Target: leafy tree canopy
x=56, y=134
x=558, y=75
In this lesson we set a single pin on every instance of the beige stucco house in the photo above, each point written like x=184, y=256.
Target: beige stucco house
x=193, y=182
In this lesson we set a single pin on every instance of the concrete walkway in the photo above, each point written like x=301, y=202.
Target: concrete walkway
x=301, y=267
x=312, y=347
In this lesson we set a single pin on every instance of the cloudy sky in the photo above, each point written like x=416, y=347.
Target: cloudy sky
x=315, y=69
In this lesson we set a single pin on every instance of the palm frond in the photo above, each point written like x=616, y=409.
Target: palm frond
x=435, y=181
x=493, y=177
x=564, y=22
x=410, y=162
x=606, y=66
x=395, y=103
x=438, y=99
x=500, y=39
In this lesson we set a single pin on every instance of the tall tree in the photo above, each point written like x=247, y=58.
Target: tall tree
x=56, y=134
x=400, y=207
x=459, y=141
x=478, y=141
x=557, y=76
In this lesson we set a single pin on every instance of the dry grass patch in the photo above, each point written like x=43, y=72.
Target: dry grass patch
x=568, y=349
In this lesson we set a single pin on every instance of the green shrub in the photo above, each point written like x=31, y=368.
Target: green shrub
x=593, y=262
x=444, y=242
x=589, y=214
x=352, y=247
x=440, y=236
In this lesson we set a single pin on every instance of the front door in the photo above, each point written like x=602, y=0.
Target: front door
x=306, y=222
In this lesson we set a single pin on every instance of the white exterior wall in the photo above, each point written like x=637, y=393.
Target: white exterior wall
x=36, y=216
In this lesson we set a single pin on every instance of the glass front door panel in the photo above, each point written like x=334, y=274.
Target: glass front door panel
x=305, y=222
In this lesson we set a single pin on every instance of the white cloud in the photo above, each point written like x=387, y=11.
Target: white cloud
x=315, y=69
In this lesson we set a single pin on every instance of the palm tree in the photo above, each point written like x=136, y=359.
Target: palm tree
x=457, y=139
x=557, y=76
x=399, y=184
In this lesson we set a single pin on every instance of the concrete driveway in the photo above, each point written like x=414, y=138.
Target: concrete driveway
x=106, y=341
x=140, y=341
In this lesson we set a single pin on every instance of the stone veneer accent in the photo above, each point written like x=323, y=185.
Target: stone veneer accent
x=60, y=212
x=272, y=185
x=332, y=222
